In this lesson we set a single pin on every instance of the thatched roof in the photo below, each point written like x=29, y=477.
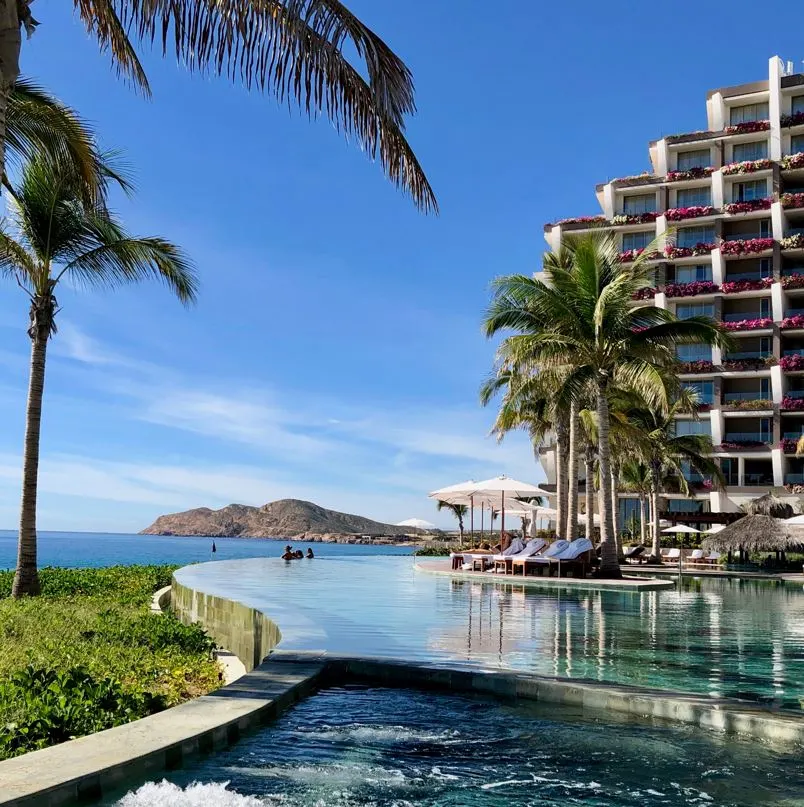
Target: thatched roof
x=770, y=505
x=756, y=533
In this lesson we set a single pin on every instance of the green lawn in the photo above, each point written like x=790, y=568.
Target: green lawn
x=88, y=654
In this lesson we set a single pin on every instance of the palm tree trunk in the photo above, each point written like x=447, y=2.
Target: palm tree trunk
x=590, y=496
x=615, y=507
x=643, y=518
x=654, y=506
x=609, y=565
x=561, y=474
x=26, y=579
x=10, y=45
x=572, y=474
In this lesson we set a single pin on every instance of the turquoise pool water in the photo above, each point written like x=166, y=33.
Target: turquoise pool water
x=397, y=748
x=733, y=638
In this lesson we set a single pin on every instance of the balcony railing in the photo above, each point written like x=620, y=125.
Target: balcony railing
x=793, y=435
x=748, y=437
x=796, y=351
x=795, y=393
x=745, y=396
x=787, y=271
x=793, y=312
x=794, y=479
x=747, y=354
x=741, y=315
x=737, y=277
x=753, y=480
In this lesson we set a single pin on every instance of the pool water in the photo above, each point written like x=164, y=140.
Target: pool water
x=400, y=748
x=718, y=637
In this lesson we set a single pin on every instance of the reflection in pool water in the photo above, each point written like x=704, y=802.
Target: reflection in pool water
x=397, y=748
x=734, y=638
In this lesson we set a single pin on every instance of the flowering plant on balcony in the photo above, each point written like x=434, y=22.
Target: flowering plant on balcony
x=697, y=366
x=632, y=254
x=583, y=220
x=635, y=218
x=788, y=444
x=748, y=324
x=736, y=286
x=690, y=289
x=748, y=246
x=644, y=294
x=791, y=200
x=740, y=445
x=793, y=241
x=748, y=207
x=748, y=127
x=757, y=404
x=792, y=161
x=701, y=248
x=746, y=167
x=797, y=119
x=690, y=173
x=791, y=363
x=637, y=179
x=795, y=281
x=744, y=364
x=695, y=212
x=792, y=404
x=796, y=321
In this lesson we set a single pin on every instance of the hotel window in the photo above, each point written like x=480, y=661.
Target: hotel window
x=729, y=467
x=643, y=203
x=705, y=390
x=694, y=197
x=687, y=310
x=755, y=150
x=690, y=236
x=686, y=427
x=637, y=240
x=796, y=144
x=748, y=191
x=701, y=272
x=748, y=113
x=694, y=353
x=699, y=158
x=797, y=104
x=685, y=506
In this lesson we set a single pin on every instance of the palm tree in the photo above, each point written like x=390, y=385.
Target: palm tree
x=293, y=49
x=57, y=236
x=457, y=510
x=581, y=322
x=636, y=478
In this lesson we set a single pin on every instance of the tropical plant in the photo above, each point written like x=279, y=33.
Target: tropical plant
x=581, y=322
x=457, y=510
x=636, y=478
x=293, y=49
x=56, y=236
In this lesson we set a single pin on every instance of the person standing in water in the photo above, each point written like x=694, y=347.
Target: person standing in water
x=288, y=553
x=214, y=548
x=310, y=552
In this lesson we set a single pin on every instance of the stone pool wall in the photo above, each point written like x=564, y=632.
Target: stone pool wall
x=244, y=631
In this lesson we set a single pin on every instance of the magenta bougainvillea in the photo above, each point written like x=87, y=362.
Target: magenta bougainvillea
x=791, y=363
x=796, y=321
x=748, y=324
x=690, y=289
x=748, y=246
x=744, y=364
x=792, y=404
x=748, y=127
x=583, y=220
x=644, y=294
x=793, y=242
x=746, y=167
x=632, y=254
x=788, y=444
x=795, y=281
x=701, y=248
x=690, y=173
x=736, y=286
x=792, y=161
x=681, y=213
x=698, y=366
x=748, y=207
x=635, y=218
x=791, y=200
x=797, y=119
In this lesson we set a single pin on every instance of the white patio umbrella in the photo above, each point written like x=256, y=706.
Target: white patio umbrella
x=682, y=528
x=717, y=528
x=417, y=523
x=795, y=520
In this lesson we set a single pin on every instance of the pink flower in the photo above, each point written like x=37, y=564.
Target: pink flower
x=736, y=286
x=690, y=289
x=792, y=161
x=796, y=321
x=792, y=404
x=679, y=213
x=788, y=444
x=701, y=248
x=748, y=324
x=746, y=247
x=747, y=167
x=698, y=366
x=748, y=127
x=794, y=362
x=792, y=200
x=748, y=207
x=793, y=281
x=644, y=294
x=690, y=173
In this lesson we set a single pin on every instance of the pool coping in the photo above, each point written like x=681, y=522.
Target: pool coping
x=587, y=583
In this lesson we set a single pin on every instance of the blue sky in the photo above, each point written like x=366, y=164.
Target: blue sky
x=335, y=353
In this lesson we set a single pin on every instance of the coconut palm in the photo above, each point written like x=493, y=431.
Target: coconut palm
x=457, y=510
x=53, y=236
x=582, y=322
x=293, y=49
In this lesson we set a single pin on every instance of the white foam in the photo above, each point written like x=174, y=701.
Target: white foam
x=198, y=794
x=382, y=735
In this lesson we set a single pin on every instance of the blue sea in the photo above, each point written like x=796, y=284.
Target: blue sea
x=110, y=549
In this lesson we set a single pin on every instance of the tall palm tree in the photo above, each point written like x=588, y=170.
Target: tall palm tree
x=293, y=49
x=56, y=236
x=582, y=322
x=457, y=510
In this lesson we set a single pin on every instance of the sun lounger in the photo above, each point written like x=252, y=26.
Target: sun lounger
x=712, y=559
x=575, y=557
x=634, y=553
x=553, y=549
x=506, y=561
x=695, y=557
x=672, y=556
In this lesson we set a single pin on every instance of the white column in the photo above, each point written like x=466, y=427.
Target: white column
x=660, y=300
x=718, y=190
x=716, y=112
x=777, y=220
x=777, y=302
x=775, y=68
x=716, y=421
x=717, y=356
x=777, y=384
x=608, y=201
x=718, y=266
x=778, y=467
x=740, y=472
x=554, y=238
x=662, y=162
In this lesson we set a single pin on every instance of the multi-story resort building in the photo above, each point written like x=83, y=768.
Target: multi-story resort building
x=733, y=197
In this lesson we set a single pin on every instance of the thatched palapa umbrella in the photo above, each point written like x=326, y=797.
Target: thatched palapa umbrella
x=756, y=534
x=770, y=505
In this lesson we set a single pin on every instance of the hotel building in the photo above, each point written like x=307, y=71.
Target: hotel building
x=734, y=197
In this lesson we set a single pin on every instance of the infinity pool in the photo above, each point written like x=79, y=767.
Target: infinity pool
x=398, y=748
x=723, y=638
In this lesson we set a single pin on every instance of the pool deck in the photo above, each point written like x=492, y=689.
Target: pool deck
x=635, y=584
x=701, y=571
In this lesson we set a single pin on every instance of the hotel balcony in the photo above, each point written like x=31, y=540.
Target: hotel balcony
x=758, y=473
x=752, y=269
x=749, y=433
x=747, y=394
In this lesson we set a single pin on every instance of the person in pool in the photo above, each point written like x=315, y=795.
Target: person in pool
x=288, y=553
x=298, y=554
x=310, y=552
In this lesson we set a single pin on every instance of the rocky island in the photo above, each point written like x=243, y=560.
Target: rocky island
x=286, y=518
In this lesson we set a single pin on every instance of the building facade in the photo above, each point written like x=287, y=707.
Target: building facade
x=733, y=198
